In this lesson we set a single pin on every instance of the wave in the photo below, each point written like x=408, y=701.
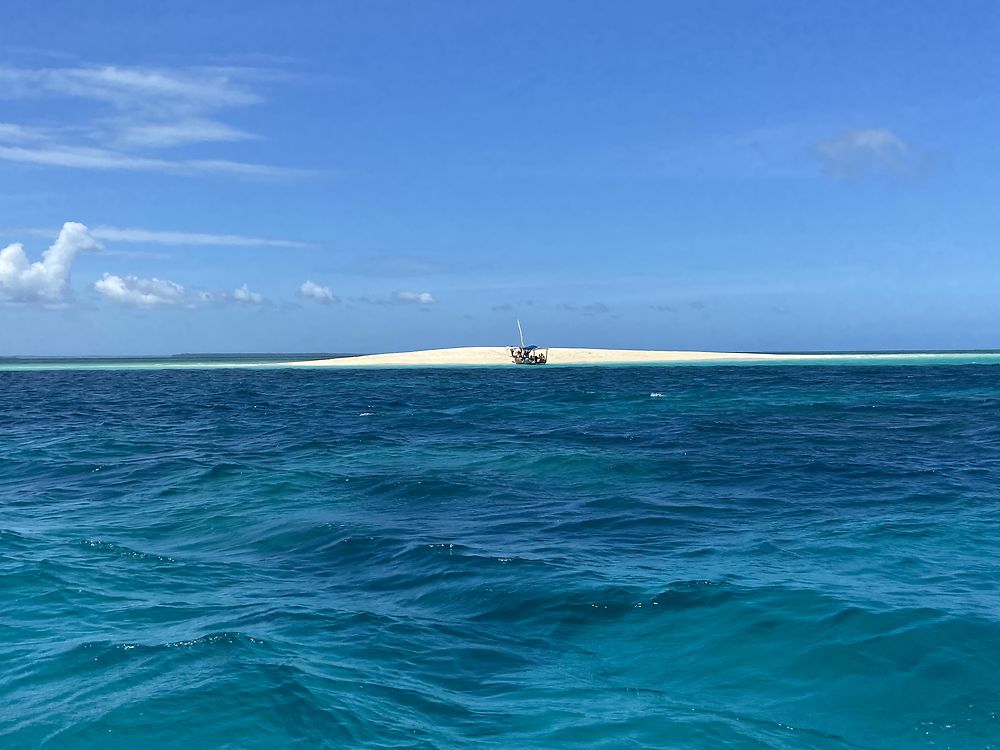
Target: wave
x=761, y=557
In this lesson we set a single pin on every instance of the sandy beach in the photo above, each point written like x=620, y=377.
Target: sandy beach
x=498, y=355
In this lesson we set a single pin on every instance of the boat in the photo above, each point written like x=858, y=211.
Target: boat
x=527, y=355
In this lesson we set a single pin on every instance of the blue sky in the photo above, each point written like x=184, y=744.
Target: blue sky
x=364, y=176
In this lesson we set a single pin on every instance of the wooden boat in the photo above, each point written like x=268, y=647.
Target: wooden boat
x=527, y=355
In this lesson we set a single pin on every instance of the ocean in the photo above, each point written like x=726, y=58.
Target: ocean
x=589, y=557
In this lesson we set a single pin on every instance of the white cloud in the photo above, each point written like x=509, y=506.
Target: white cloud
x=46, y=280
x=137, y=110
x=80, y=157
x=193, y=87
x=400, y=297
x=312, y=290
x=85, y=157
x=244, y=295
x=142, y=96
x=155, y=292
x=158, y=237
x=415, y=298
x=196, y=130
x=854, y=153
x=12, y=133
x=133, y=290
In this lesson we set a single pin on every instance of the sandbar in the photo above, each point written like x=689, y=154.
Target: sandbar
x=499, y=355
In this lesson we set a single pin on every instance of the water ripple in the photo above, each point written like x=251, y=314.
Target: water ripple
x=615, y=557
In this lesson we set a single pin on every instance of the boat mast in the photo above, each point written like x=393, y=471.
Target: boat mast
x=520, y=333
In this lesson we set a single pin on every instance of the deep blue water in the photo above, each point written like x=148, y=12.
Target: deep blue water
x=662, y=557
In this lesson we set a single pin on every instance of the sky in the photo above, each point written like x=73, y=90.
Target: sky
x=372, y=176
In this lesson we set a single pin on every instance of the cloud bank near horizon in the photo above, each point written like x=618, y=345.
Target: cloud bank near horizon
x=140, y=292
x=47, y=281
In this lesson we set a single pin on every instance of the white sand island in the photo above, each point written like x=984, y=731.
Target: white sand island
x=499, y=355
x=474, y=356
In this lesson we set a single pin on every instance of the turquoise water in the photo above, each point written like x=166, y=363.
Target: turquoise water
x=177, y=362
x=679, y=557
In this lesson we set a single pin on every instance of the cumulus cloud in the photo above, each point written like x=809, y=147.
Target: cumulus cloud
x=244, y=295
x=154, y=292
x=140, y=292
x=312, y=290
x=413, y=298
x=129, y=111
x=46, y=280
x=855, y=153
